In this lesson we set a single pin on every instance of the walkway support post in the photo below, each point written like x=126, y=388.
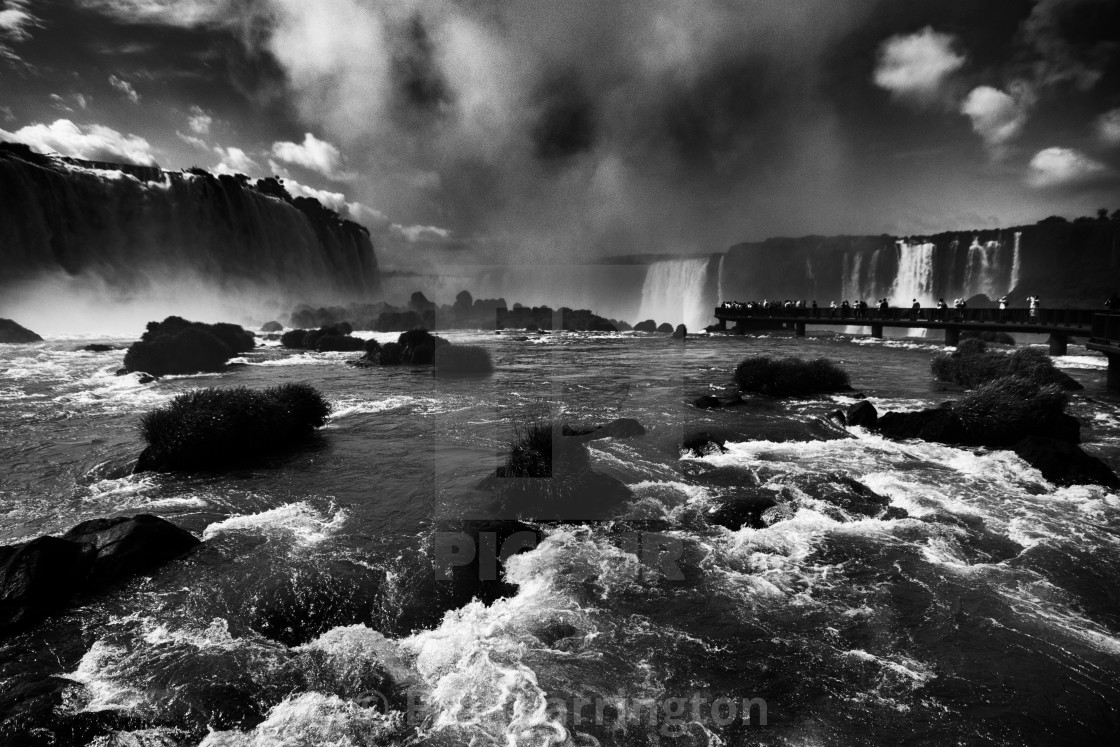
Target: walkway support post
x=1113, y=380
x=877, y=331
x=799, y=329
x=1059, y=343
x=952, y=336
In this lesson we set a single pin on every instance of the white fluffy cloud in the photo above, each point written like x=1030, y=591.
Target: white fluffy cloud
x=1055, y=167
x=997, y=116
x=93, y=142
x=200, y=121
x=312, y=154
x=124, y=87
x=1108, y=127
x=915, y=67
x=234, y=161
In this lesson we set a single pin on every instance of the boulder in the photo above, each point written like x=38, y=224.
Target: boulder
x=707, y=402
x=863, y=414
x=38, y=578
x=1064, y=463
x=127, y=546
x=680, y=333
x=938, y=424
x=743, y=509
x=12, y=333
x=96, y=348
x=704, y=442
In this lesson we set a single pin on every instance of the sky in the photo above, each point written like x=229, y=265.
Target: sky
x=538, y=130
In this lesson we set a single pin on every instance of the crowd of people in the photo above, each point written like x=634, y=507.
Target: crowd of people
x=860, y=309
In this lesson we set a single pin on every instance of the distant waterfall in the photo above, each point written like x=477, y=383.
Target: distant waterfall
x=860, y=281
x=720, y=298
x=674, y=292
x=915, y=274
x=1016, y=265
x=986, y=267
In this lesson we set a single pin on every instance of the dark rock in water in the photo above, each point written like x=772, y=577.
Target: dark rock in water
x=272, y=327
x=339, y=343
x=272, y=336
x=862, y=414
x=97, y=348
x=894, y=512
x=12, y=333
x=705, y=441
x=38, y=578
x=483, y=577
x=41, y=577
x=940, y=425
x=145, y=378
x=744, y=509
x=707, y=402
x=128, y=546
x=665, y=328
x=178, y=346
x=680, y=333
x=647, y=326
x=838, y=416
x=619, y=428
x=1063, y=463
x=843, y=491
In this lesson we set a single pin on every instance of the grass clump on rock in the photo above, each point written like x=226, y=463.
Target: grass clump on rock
x=1003, y=411
x=178, y=346
x=331, y=338
x=973, y=365
x=463, y=360
x=790, y=377
x=209, y=429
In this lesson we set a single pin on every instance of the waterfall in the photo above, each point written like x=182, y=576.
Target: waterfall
x=1016, y=267
x=145, y=231
x=984, y=268
x=674, y=292
x=720, y=298
x=915, y=274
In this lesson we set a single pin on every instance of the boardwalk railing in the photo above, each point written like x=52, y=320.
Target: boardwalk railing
x=1042, y=317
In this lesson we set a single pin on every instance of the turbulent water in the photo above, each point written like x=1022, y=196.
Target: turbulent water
x=989, y=615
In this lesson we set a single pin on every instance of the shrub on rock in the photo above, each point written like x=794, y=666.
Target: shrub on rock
x=680, y=333
x=339, y=343
x=463, y=360
x=786, y=377
x=418, y=347
x=294, y=339
x=665, y=328
x=972, y=365
x=208, y=429
x=647, y=326
x=272, y=327
x=12, y=333
x=548, y=476
x=1063, y=463
x=1002, y=411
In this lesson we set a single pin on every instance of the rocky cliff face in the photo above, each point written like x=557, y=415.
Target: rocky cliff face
x=125, y=225
x=1068, y=264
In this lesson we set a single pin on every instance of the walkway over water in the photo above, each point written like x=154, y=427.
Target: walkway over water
x=1060, y=324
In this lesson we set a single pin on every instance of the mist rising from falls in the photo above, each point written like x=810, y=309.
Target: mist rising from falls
x=676, y=291
x=915, y=274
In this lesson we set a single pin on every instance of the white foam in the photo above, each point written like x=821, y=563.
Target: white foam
x=300, y=521
x=315, y=719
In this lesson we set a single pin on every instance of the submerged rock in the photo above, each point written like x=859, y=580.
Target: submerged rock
x=707, y=402
x=938, y=424
x=619, y=428
x=12, y=333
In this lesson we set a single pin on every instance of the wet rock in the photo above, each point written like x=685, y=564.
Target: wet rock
x=1064, y=463
x=38, y=578
x=96, y=348
x=41, y=577
x=128, y=546
x=705, y=442
x=894, y=512
x=743, y=509
x=144, y=378
x=707, y=402
x=838, y=416
x=843, y=491
x=939, y=424
x=863, y=414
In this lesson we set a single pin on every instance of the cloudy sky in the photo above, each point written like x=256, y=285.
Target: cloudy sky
x=543, y=129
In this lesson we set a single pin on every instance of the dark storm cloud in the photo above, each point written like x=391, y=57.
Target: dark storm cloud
x=566, y=123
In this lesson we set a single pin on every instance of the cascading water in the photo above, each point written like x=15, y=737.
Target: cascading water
x=915, y=274
x=987, y=267
x=674, y=292
x=1016, y=265
x=130, y=231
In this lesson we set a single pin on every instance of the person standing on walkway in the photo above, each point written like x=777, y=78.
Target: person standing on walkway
x=915, y=307
x=1003, y=308
x=1034, y=303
